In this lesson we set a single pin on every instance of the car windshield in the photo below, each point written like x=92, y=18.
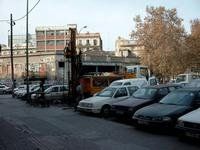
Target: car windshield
x=108, y=92
x=181, y=78
x=144, y=93
x=116, y=83
x=183, y=98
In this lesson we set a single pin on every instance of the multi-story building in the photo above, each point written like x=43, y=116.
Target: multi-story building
x=125, y=47
x=53, y=38
x=46, y=56
x=20, y=40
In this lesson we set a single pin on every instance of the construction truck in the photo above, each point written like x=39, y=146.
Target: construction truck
x=94, y=83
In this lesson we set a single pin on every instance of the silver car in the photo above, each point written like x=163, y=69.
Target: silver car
x=53, y=93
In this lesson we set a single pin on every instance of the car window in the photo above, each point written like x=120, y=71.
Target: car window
x=55, y=89
x=127, y=83
x=121, y=92
x=153, y=82
x=163, y=91
x=172, y=88
x=107, y=92
x=183, y=98
x=1, y=86
x=145, y=93
x=63, y=88
x=132, y=89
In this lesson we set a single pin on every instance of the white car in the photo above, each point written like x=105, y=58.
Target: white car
x=189, y=124
x=102, y=101
x=4, y=89
x=139, y=82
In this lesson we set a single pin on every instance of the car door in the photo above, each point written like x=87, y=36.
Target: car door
x=56, y=94
x=53, y=93
x=121, y=94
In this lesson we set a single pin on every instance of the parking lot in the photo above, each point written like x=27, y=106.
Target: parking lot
x=58, y=128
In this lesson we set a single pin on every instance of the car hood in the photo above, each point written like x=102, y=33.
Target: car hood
x=159, y=110
x=131, y=102
x=193, y=116
x=95, y=99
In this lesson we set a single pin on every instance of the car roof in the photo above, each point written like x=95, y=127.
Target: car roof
x=192, y=89
x=162, y=86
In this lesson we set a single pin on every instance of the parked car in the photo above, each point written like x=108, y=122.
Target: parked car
x=139, y=82
x=189, y=124
x=33, y=90
x=142, y=97
x=194, y=83
x=5, y=89
x=53, y=93
x=169, y=109
x=102, y=101
x=18, y=89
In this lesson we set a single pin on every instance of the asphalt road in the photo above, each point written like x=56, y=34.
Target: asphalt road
x=24, y=127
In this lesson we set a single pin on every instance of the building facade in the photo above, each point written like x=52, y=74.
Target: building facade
x=125, y=47
x=20, y=40
x=53, y=38
x=46, y=54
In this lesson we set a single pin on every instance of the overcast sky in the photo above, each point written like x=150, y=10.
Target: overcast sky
x=112, y=18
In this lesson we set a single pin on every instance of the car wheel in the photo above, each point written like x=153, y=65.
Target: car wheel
x=105, y=111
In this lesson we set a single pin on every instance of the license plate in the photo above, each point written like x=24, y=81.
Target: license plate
x=119, y=112
x=194, y=135
x=143, y=122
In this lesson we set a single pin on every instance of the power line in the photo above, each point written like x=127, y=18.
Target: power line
x=4, y=20
x=28, y=12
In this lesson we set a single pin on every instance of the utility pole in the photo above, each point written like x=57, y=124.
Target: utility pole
x=27, y=60
x=12, y=23
x=73, y=60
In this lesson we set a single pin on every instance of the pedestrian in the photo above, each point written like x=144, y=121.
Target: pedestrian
x=79, y=95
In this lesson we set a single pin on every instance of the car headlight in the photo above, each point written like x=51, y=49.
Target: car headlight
x=166, y=119
x=130, y=109
x=90, y=105
x=180, y=123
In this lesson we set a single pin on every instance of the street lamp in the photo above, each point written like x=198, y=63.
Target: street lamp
x=78, y=35
x=82, y=29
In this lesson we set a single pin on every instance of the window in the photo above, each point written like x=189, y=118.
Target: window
x=163, y=91
x=50, y=33
x=39, y=33
x=54, y=89
x=59, y=42
x=127, y=83
x=59, y=32
x=121, y=92
x=63, y=88
x=95, y=42
x=153, y=82
x=87, y=42
x=50, y=43
x=40, y=43
x=132, y=89
x=61, y=64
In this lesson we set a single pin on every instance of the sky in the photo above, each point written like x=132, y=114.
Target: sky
x=111, y=18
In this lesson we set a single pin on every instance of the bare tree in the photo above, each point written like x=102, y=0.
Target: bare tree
x=193, y=45
x=163, y=38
